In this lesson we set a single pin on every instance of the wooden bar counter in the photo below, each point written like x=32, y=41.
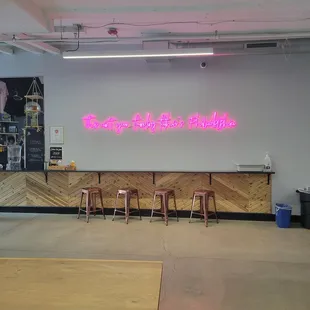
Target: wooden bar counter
x=246, y=192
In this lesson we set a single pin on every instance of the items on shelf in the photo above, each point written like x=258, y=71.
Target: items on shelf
x=267, y=162
x=5, y=117
x=14, y=157
x=8, y=135
x=249, y=167
x=57, y=165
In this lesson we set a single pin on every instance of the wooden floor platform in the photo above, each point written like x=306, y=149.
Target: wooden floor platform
x=67, y=284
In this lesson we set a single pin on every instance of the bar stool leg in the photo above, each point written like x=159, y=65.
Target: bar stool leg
x=79, y=213
x=101, y=201
x=153, y=206
x=138, y=203
x=217, y=220
x=201, y=206
x=205, y=209
x=165, y=199
x=87, y=207
x=175, y=207
x=193, y=204
x=162, y=209
x=94, y=202
x=115, y=206
x=127, y=207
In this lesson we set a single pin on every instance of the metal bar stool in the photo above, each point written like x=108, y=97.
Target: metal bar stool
x=90, y=202
x=204, y=196
x=164, y=195
x=128, y=193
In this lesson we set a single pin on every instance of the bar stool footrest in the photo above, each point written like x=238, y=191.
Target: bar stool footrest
x=162, y=213
x=91, y=211
x=124, y=212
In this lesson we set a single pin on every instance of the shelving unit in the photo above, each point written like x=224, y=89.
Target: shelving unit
x=6, y=124
x=32, y=119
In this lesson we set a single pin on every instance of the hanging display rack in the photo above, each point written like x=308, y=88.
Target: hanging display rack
x=32, y=107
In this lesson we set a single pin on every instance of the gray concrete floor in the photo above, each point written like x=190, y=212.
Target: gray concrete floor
x=227, y=266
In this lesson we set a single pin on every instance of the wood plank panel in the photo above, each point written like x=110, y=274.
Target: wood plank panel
x=183, y=184
x=259, y=194
x=54, y=193
x=112, y=181
x=12, y=189
x=234, y=192
x=77, y=181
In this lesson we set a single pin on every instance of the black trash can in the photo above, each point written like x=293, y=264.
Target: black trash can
x=305, y=209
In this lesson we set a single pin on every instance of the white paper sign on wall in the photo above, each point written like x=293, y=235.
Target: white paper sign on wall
x=56, y=135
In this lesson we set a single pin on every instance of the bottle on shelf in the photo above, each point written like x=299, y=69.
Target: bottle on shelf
x=267, y=163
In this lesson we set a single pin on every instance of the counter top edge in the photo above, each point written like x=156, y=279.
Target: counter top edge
x=142, y=171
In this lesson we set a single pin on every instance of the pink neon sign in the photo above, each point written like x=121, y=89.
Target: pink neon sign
x=164, y=122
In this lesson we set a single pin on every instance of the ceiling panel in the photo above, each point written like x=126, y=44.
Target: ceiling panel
x=14, y=19
x=221, y=15
x=102, y=6
x=140, y=19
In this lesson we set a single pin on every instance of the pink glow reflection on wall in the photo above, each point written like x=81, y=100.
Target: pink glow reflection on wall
x=164, y=122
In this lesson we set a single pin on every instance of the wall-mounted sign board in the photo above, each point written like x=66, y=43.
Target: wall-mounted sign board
x=56, y=153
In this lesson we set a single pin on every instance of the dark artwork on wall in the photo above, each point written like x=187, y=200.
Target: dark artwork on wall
x=17, y=89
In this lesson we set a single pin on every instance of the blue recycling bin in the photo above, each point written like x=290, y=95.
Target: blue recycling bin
x=283, y=215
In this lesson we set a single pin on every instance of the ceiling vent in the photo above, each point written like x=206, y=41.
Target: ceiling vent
x=261, y=45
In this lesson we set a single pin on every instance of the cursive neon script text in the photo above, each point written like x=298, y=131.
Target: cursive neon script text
x=164, y=122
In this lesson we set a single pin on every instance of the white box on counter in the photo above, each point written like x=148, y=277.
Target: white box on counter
x=249, y=168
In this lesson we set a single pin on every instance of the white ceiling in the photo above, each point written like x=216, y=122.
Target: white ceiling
x=14, y=16
x=153, y=19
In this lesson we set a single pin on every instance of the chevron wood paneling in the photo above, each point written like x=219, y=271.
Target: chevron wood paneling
x=111, y=182
x=51, y=194
x=77, y=181
x=12, y=189
x=183, y=183
x=232, y=191
x=248, y=193
x=259, y=200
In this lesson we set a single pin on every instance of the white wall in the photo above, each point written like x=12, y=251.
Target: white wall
x=267, y=95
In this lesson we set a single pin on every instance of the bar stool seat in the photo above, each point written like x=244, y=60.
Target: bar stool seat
x=164, y=195
x=127, y=210
x=90, y=202
x=163, y=191
x=204, y=196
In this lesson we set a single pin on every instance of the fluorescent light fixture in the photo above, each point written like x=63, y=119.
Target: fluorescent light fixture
x=188, y=52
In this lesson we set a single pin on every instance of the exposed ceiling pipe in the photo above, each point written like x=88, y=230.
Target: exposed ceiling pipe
x=241, y=44
x=239, y=48
x=261, y=52
x=182, y=37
